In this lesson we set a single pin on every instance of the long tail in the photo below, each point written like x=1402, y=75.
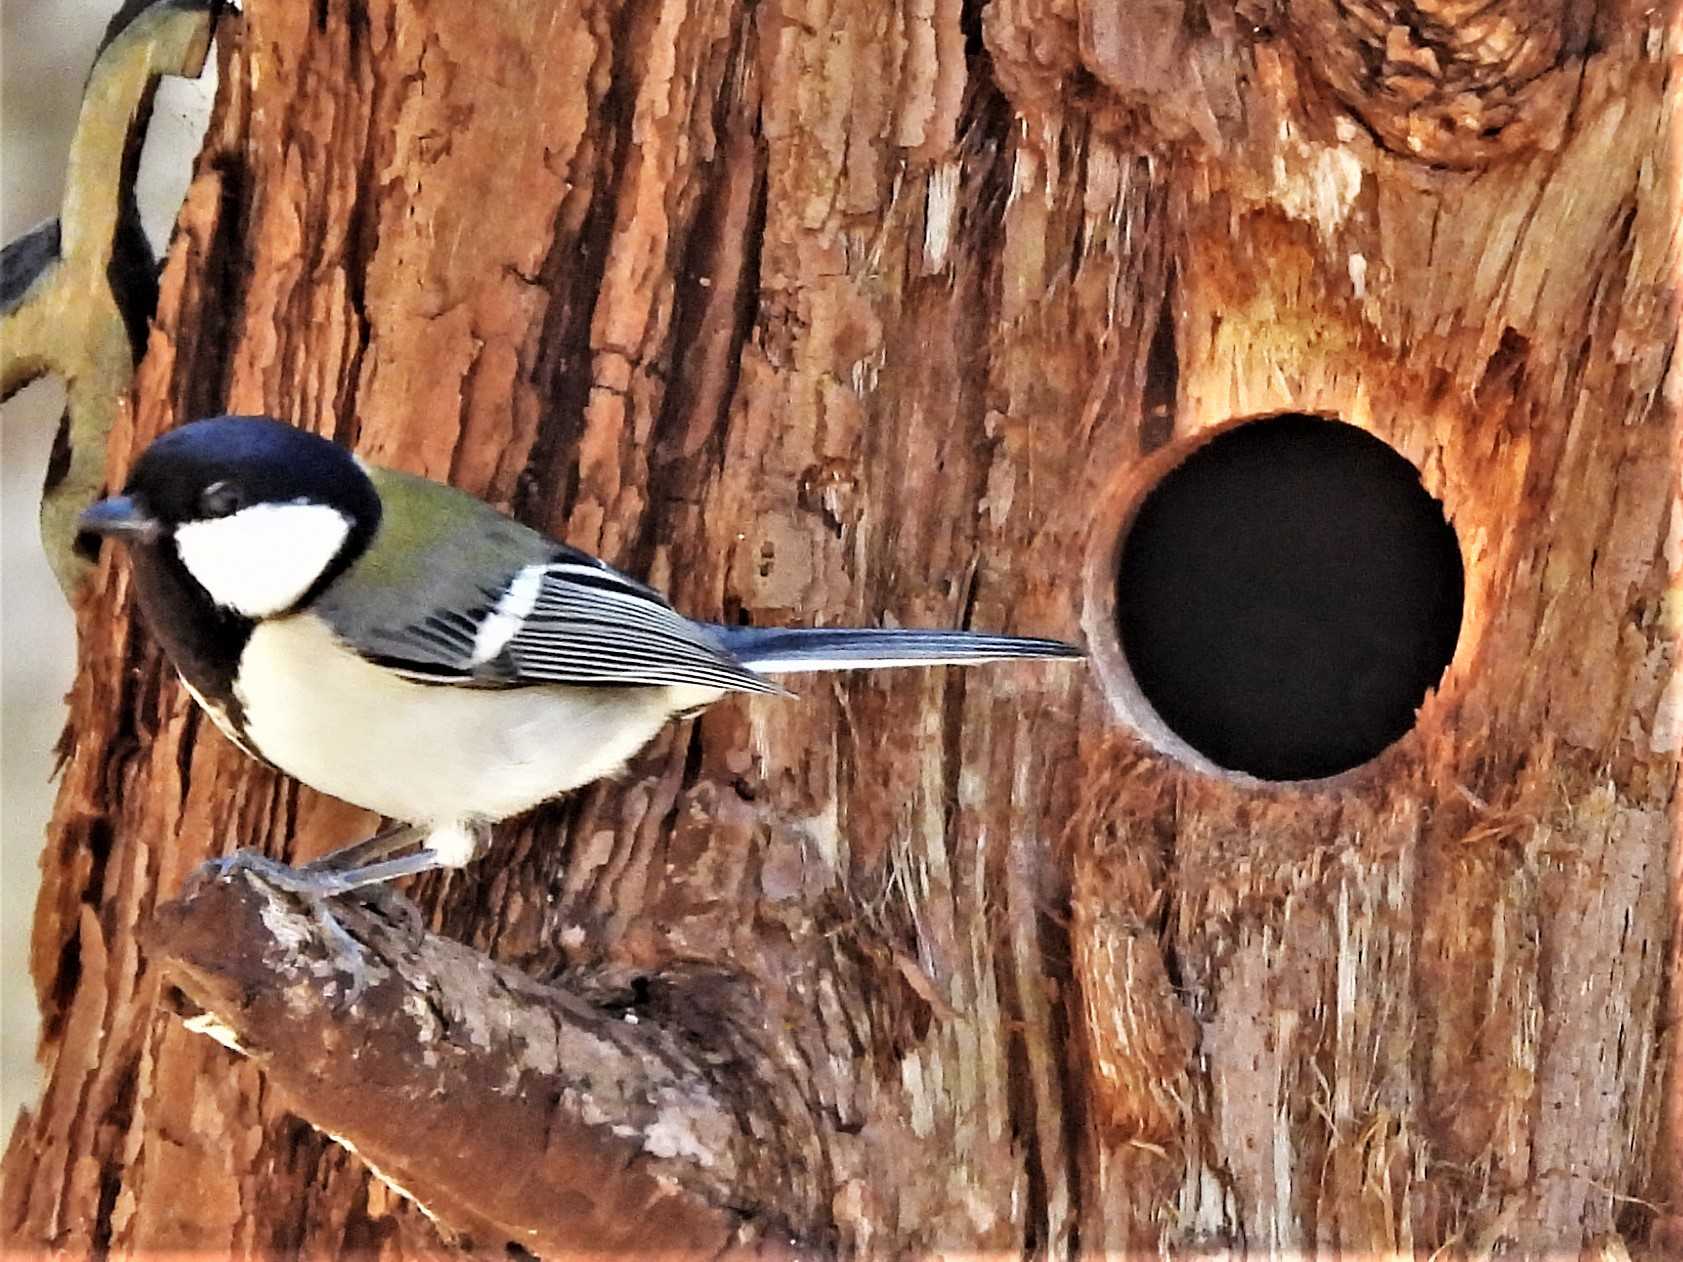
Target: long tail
x=778, y=650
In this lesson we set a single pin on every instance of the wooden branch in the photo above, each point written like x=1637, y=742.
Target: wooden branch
x=508, y=1110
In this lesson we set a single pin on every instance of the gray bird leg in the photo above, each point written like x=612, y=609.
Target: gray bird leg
x=76, y=292
x=320, y=882
x=360, y=855
x=347, y=869
x=359, y=866
x=316, y=885
x=385, y=842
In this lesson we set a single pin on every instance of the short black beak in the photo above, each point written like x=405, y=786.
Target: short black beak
x=120, y=518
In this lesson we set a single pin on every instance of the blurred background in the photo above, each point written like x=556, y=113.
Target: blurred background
x=46, y=49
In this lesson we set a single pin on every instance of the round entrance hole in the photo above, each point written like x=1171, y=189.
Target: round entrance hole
x=1287, y=595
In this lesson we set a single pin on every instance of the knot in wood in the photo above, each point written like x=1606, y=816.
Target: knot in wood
x=1449, y=82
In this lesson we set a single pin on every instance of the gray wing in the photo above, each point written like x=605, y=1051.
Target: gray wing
x=450, y=591
x=568, y=620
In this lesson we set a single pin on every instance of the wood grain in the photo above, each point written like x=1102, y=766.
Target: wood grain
x=826, y=314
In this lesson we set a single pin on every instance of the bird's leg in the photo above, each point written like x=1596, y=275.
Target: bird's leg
x=322, y=882
x=346, y=952
x=358, y=853
x=345, y=871
x=316, y=885
x=360, y=864
x=369, y=880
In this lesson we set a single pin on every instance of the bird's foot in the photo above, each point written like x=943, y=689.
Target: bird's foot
x=393, y=905
x=346, y=952
x=349, y=955
x=329, y=878
x=322, y=879
x=386, y=900
x=293, y=880
x=388, y=841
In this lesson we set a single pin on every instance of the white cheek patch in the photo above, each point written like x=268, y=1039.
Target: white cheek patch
x=260, y=560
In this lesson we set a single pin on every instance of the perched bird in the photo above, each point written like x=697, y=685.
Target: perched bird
x=399, y=644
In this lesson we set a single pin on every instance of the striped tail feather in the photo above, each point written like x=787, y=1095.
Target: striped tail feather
x=777, y=650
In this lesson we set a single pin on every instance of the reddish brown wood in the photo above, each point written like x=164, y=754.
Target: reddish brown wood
x=831, y=314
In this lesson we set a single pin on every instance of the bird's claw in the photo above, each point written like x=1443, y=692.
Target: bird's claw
x=315, y=888
x=349, y=954
x=392, y=904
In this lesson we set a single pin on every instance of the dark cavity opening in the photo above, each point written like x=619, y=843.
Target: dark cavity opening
x=1287, y=596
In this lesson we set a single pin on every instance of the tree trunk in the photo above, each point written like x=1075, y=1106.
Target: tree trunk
x=818, y=314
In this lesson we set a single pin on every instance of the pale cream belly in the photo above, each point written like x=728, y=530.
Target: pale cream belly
x=425, y=753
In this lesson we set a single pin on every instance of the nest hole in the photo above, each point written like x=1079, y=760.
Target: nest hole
x=1287, y=595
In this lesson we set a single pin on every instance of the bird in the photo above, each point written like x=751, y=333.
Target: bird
x=403, y=646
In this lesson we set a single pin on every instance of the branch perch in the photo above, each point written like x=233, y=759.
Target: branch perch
x=508, y=1110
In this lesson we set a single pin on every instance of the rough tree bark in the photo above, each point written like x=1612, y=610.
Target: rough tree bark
x=828, y=313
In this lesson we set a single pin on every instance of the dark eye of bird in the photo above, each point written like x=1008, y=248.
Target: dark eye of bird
x=221, y=499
